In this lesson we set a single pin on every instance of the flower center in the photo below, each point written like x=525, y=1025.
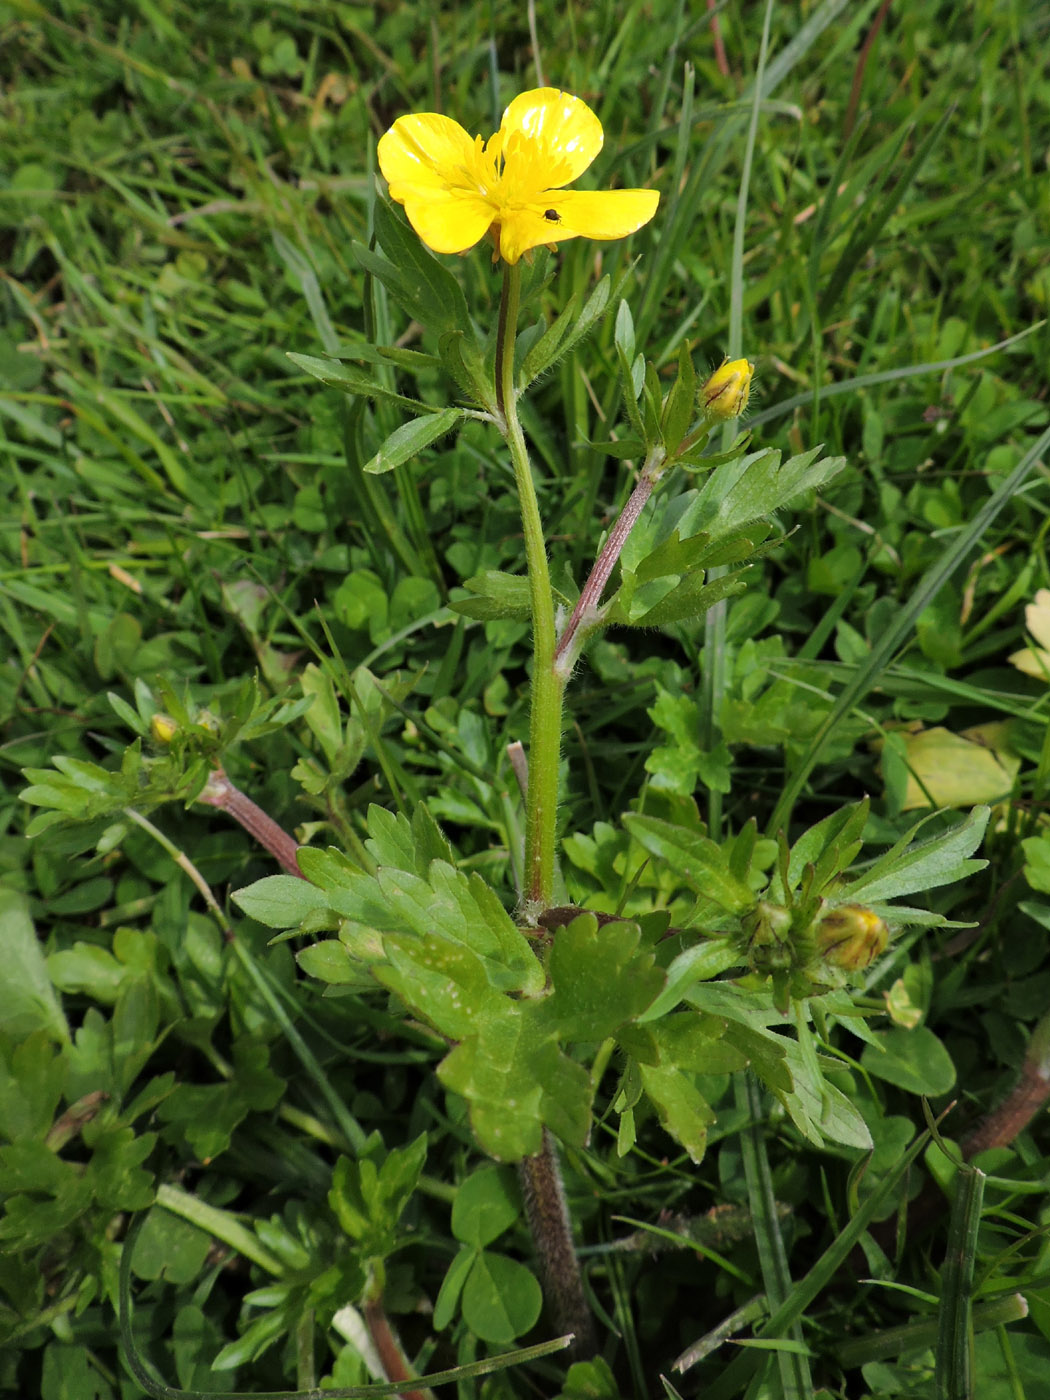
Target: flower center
x=510, y=175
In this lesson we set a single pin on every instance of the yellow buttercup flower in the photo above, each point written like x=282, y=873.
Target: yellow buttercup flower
x=455, y=187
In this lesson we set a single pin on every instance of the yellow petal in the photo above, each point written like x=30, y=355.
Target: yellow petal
x=424, y=150
x=603, y=214
x=563, y=133
x=448, y=221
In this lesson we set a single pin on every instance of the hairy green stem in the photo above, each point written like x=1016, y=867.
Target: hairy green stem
x=548, y=689
x=545, y=1203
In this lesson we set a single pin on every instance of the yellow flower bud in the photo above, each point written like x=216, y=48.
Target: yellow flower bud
x=726, y=392
x=851, y=937
x=163, y=728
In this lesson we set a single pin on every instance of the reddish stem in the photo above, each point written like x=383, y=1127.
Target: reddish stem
x=547, y=1212
x=1012, y=1116
x=716, y=35
x=862, y=63
x=999, y=1128
x=389, y=1349
x=590, y=597
x=220, y=792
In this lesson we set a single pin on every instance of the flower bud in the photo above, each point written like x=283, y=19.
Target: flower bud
x=163, y=728
x=851, y=937
x=725, y=393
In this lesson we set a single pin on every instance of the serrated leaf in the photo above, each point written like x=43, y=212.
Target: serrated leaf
x=27, y=999
x=329, y=961
x=208, y=1113
x=464, y=364
x=493, y=1071
x=601, y=977
x=329, y=869
x=444, y=983
x=464, y=911
x=690, y=599
x=280, y=901
x=699, y=862
x=496, y=595
x=623, y=449
x=32, y=1078
x=390, y=840
x=701, y=551
x=337, y=375
x=651, y=403
x=691, y=1041
x=516, y=1080
x=680, y=403
x=594, y=308
x=499, y=595
x=368, y=1199
x=423, y=286
x=683, y=1111
x=547, y=349
x=905, y=868
x=623, y=331
x=430, y=842
x=756, y=486
x=411, y=438
x=632, y=373
x=323, y=718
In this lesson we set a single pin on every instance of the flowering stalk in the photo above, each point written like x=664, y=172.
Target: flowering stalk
x=548, y=689
x=540, y=1175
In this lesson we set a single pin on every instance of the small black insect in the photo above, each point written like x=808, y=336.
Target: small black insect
x=552, y=216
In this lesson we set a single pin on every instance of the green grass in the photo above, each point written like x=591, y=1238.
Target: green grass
x=185, y=510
